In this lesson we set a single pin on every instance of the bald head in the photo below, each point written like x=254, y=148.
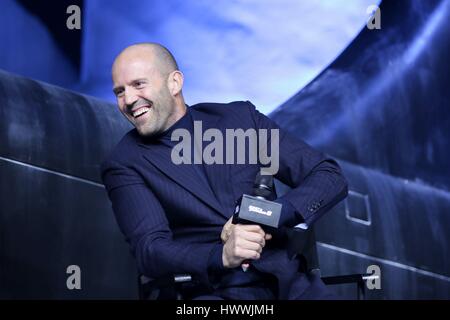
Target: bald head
x=159, y=56
x=148, y=87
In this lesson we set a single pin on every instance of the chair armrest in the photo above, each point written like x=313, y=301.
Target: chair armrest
x=151, y=288
x=349, y=278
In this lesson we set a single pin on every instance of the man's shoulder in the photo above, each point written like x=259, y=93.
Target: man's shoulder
x=124, y=148
x=224, y=108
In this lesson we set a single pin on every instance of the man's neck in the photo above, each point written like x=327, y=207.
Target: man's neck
x=180, y=111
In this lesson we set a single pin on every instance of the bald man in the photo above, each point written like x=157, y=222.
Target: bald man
x=177, y=217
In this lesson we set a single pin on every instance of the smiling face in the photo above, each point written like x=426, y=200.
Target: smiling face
x=148, y=94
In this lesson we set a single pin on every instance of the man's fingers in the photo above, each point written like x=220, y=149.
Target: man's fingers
x=253, y=228
x=250, y=236
x=249, y=245
x=268, y=236
x=245, y=254
x=244, y=245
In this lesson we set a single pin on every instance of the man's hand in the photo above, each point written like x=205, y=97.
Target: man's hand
x=243, y=242
x=228, y=228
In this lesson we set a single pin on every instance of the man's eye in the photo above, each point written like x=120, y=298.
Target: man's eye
x=119, y=93
x=139, y=84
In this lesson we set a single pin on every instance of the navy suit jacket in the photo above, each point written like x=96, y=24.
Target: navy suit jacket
x=173, y=220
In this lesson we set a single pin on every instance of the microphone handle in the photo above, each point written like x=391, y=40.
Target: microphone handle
x=245, y=265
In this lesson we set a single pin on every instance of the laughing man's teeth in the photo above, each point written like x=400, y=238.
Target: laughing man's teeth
x=140, y=111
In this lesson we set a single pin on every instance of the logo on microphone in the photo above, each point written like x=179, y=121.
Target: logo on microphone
x=259, y=210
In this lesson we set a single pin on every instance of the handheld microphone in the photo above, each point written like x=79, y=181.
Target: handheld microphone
x=258, y=208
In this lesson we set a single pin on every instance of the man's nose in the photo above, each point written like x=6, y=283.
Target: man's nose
x=130, y=97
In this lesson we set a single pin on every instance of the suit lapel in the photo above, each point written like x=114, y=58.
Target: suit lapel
x=229, y=187
x=184, y=175
x=219, y=174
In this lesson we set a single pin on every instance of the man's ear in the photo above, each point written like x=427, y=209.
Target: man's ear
x=175, y=82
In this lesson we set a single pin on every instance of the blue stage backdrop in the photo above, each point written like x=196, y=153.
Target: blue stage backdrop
x=264, y=51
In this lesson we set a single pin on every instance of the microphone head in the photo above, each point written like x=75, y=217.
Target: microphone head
x=263, y=186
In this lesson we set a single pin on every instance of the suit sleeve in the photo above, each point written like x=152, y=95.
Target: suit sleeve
x=316, y=180
x=142, y=220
